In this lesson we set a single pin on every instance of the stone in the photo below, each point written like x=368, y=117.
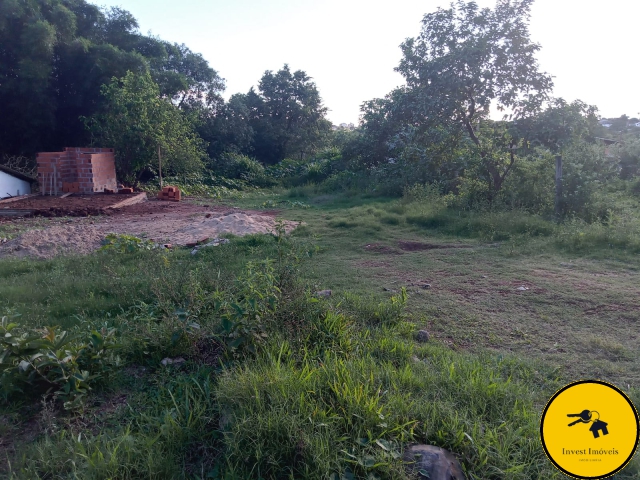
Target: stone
x=172, y=361
x=422, y=336
x=522, y=289
x=213, y=243
x=433, y=463
x=323, y=293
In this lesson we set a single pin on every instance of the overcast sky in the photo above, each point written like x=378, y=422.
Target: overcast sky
x=350, y=47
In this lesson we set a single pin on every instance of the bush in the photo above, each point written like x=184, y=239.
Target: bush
x=52, y=361
x=125, y=243
x=237, y=166
x=586, y=170
x=531, y=185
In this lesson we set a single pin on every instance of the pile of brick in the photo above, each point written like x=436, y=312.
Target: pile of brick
x=77, y=170
x=171, y=194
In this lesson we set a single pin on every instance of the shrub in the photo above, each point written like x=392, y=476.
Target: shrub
x=53, y=361
x=237, y=166
x=586, y=170
x=125, y=243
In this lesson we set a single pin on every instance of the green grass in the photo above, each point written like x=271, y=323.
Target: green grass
x=338, y=386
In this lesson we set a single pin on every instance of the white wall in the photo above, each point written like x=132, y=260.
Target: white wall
x=12, y=186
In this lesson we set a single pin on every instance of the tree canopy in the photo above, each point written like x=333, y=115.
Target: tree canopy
x=56, y=54
x=137, y=122
x=465, y=61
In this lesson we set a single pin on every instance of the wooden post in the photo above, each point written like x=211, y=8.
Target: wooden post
x=160, y=167
x=558, y=202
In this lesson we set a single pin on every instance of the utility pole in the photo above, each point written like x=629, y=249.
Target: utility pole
x=558, y=202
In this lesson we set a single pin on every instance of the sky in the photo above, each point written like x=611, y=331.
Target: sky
x=350, y=47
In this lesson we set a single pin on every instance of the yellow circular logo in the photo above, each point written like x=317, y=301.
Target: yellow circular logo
x=589, y=429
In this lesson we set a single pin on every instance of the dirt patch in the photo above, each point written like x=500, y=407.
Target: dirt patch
x=52, y=241
x=208, y=352
x=161, y=222
x=72, y=203
x=383, y=249
x=418, y=246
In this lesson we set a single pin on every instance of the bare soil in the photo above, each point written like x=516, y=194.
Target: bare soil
x=71, y=203
x=179, y=223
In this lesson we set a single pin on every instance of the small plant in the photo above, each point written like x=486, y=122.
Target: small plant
x=54, y=361
x=125, y=243
x=257, y=297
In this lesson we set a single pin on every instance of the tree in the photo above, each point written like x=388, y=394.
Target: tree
x=56, y=54
x=467, y=59
x=620, y=124
x=187, y=78
x=283, y=117
x=560, y=124
x=227, y=128
x=137, y=121
x=287, y=116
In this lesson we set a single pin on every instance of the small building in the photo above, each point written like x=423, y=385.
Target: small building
x=13, y=183
x=77, y=170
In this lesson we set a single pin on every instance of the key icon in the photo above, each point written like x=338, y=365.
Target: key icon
x=583, y=417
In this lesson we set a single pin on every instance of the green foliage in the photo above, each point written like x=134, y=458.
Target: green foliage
x=305, y=419
x=531, y=186
x=288, y=203
x=628, y=151
x=586, y=171
x=203, y=184
x=137, y=121
x=125, y=243
x=384, y=313
x=621, y=232
x=53, y=361
x=56, y=57
x=559, y=125
x=241, y=167
x=335, y=387
x=285, y=118
x=256, y=298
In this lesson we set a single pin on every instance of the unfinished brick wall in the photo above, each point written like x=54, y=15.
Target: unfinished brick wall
x=77, y=170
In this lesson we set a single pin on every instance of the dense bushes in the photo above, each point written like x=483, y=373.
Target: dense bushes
x=237, y=166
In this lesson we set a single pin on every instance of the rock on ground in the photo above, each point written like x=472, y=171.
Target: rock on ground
x=433, y=463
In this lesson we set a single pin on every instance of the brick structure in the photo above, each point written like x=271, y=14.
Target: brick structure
x=77, y=170
x=171, y=194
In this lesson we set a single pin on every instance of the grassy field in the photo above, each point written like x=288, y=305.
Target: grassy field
x=277, y=383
